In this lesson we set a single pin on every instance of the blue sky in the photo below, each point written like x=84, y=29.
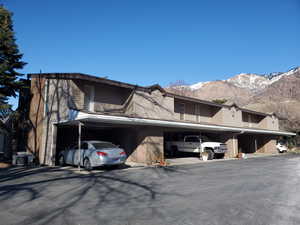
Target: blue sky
x=145, y=42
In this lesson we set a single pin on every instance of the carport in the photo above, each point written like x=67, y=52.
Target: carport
x=143, y=139
x=251, y=143
x=174, y=135
x=68, y=134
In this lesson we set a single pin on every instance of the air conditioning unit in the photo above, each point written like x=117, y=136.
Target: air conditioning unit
x=22, y=159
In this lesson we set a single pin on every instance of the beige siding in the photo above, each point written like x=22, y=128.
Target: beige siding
x=232, y=144
x=149, y=146
x=267, y=144
x=151, y=105
x=58, y=101
x=231, y=117
x=272, y=123
x=36, y=116
x=50, y=104
x=264, y=123
x=77, y=94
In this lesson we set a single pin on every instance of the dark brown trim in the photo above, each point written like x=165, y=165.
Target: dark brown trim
x=254, y=112
x=250, y=111
x=86, y=77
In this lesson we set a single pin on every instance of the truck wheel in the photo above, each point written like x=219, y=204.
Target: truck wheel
x=211, y=154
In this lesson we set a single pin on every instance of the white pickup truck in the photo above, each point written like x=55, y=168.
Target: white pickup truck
x=197, y=144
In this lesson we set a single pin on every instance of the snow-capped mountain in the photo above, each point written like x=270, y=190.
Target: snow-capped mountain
x=274, y=92
x=250, y=81
x=254, y=82
x=198, y=85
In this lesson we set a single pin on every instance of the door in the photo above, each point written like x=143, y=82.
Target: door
x=70, y=155
x=83, y=148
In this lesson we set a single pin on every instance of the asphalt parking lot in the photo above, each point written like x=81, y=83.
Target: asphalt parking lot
x=253, y=191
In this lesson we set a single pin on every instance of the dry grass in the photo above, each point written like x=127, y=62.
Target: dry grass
x=295, y=150
x=4, y=165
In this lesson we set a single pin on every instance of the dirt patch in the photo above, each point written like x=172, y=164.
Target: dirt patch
x=4, y=165
x=295, y=150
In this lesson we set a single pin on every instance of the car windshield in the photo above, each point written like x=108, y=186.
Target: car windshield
x=99, y=145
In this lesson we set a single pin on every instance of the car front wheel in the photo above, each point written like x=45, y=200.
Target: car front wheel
x=87, y=164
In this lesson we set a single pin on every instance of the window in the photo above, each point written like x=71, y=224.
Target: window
x=100, y=145
x=249, y=120
x=197, y=112
x=84, y=146
x=205, y=138
x=89, y=95
x=73, y=147
x=181, y=107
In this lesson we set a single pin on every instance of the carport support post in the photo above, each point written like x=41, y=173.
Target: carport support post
x=79, y=143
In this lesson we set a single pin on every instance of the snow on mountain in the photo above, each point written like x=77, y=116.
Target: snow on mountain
x=280, y=75
x=254, y=82
x=198, y=85
x=274, y=92
x=250, y=81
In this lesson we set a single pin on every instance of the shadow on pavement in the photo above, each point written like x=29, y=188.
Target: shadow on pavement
x=48, y=186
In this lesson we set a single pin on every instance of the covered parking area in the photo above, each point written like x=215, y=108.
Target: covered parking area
x=171, y=136
x=253, y=142
x=68, y=135
x=143, y=139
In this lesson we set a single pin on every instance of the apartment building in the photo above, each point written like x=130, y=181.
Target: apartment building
x=137, y=118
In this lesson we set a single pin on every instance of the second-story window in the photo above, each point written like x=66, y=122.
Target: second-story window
x=181, y=108
x=249, y=120
x=89, y=95
x=197, y=112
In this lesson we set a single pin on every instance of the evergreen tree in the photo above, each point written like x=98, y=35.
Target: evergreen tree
x=10, y=60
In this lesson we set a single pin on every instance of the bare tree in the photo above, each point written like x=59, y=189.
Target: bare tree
x=180, y=87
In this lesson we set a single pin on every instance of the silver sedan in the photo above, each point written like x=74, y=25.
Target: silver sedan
x=93, y=154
